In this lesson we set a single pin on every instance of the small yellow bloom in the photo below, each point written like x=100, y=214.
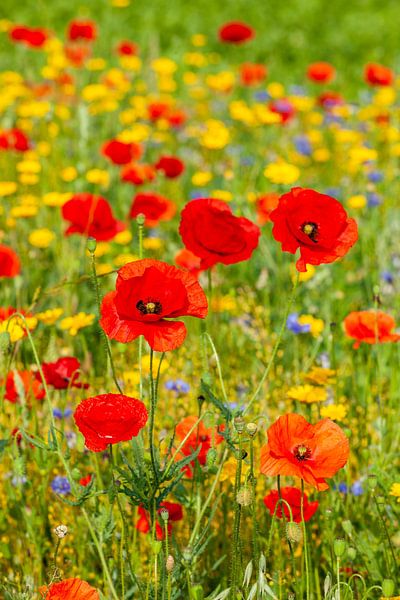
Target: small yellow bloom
x=336, y=412
x=69, y=174
x=20, y=212
x=223, y=195
x=282, y=173
x=201, y=178
x=276, y=90
x=15, y=326
x=77, y=322
x=224, y=303
x=123, y=237
x=320, y=376
x=41, y=238
x=104, y=268
x=7, y=188
x=124, y=259
x=307, y=393
x=395, y=491
x=316, y=325
x=164, y=66
x=56, y=198
x=98, y=176
x=152, y=243
x=358, y=201
x=198, y=40
x=49, y=316
x=228, y=472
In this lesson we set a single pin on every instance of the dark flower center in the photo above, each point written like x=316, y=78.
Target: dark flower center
x=310, y=230
x=301, y=452
x=203, y=438
x=149, y=307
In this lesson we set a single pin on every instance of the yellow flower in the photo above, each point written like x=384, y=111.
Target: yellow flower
x=221, y=82
x=7, y=188
x=104, y=268
x=98, y=176
x=23, y=211
x=395, y=491
x=49, y=316
x=224, y=303
x=69, y=174
x=282, y=173
x=321, y=155
x=336, y=412
x=124, y=259
x=41, y=238
x=56, y=198
x=201, y=178
x=29, y=166
x=215, y=136
x=320, y=376
x=152, y=243
x=77, y=322
x=316, y=325
x=96, y=64
x=307, y=393
x=358, y=201
x=222, y=195
x=16, y=327
x=163, y=66
x=276, y=90
x=309, y=274
x=228, y=472
x=198, y=40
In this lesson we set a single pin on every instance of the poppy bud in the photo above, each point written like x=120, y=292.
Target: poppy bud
x=5, y=342
x=348, y=527
x=91, y=245
x=170, y=563
x=244, y=496
x=293, y=532
x=187, y=554
x=211, y=457
x=156, y=546
x=164, y=514
x=239, y=424
x=387, y=588
x=339, y=547
x=197, y=592
x=61, y=531
x=140, y=219
x=351, y=552
x=372, y=482
x=251, y=429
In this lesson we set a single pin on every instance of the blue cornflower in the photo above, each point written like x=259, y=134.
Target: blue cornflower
x=60, y=485
x=178, y=386
x=357, y=488
x=375, y=176
x=303, y=145
x=373, y=199
x=294, y=326
x=387, y=276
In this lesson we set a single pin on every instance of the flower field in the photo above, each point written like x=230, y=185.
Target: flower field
x=199, y=301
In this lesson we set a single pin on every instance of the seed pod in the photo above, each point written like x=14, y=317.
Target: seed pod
x=293, y=532
x=387, y=588
x=244, y=496
x=239, y=423
x=61, y=531
x=164, y=514
x=170, y=563
x=91, y=245
x=251, y=429
x=339, y=547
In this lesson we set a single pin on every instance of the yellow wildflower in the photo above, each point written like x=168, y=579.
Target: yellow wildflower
x=7, y=188
x=69, y=174
x=316, y=325
x=282, y=172
x=75, y=323
x=395, y=491
x=98, y=176
x=336, y=412
x=307, y=393
x=49, y=316
x=320, y=376
x=41, y=238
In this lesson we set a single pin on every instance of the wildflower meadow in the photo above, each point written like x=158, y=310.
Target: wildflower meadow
x=199, y=300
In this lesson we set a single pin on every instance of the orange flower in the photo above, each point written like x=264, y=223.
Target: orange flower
x=371, y=327
x=69, y=589
x=299, y=449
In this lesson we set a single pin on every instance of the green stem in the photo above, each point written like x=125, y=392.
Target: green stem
x=305, y=541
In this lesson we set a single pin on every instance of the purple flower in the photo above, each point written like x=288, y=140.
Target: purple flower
x=294, y=326
x=60, y=485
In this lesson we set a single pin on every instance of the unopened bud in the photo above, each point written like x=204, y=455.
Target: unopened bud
x=244, y=496
x=61, y=531
x=187, y=554
x=156, y=546
x=339, y=547
x=164, y=514
x=372, y=482
x=251, y=429
x=91, y=245
x=239, y=423
x=170, y=563
x=387, y=588
x=293, y=532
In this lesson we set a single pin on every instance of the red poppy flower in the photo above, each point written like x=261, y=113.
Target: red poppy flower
x=284, y=108
x=176, y=118
x=148, y=292
x=205, y=437
x=292, y=496
x=157, y=110
x=321, y=72
x=137, y=174
x=299, y=449
x=109, y=419
x=375, y=74
x=121, y=153
x=316, y=224
x=171, y=166
x=127, y=48
x=252, y=73
x=69, y=589
x=153, y=206
x=30, y=36
x=9, y=262
x=82, y=30
x=77, y=54
x=370, y=327
x=236, y=32
x=330, y=99
x=92, y=216
x=84, y=481
x=28, y=380
x=14, y=139
x=175, y=513
x=189, y=261
x=210, y=230
x=265, y=204
x=63, y=373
